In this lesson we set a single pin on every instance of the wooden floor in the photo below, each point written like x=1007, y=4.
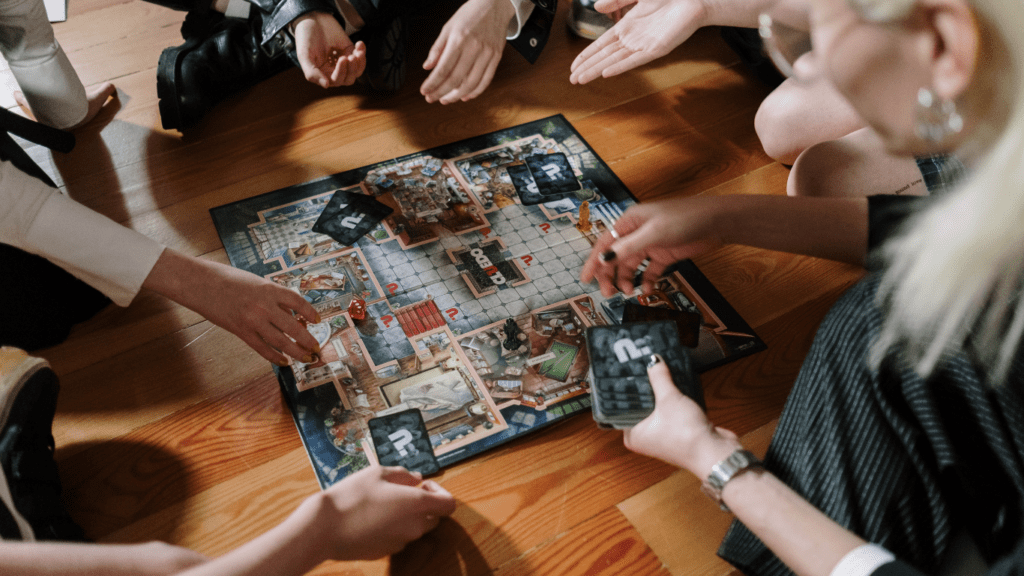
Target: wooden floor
x=170, y=428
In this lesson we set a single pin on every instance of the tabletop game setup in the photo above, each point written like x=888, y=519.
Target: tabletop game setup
x=453, y=318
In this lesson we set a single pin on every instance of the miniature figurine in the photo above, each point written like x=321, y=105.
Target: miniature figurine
x=584, y=225
x=512, y=333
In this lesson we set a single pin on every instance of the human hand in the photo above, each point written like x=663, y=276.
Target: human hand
x=650, y=30
x=678, y=431
x=377, y=511
x=96, y=97
x=266, y=316
x=662, y=232
x=466, y=53
x=326, y=54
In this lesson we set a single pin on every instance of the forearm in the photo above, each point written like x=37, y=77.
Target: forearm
x=805, y=539
x=291, y=548
x=48, y=558
x=744, y=13
x=833, y=228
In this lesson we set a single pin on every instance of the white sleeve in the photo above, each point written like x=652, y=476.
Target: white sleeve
x=523, y=10
x=39, y=64
x=862, y=561
x=38, y=219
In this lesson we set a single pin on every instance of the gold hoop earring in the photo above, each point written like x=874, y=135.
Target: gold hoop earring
x=937, y=118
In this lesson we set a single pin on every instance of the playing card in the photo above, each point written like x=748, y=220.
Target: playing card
x=401, y=439
x=349, y=215
x=553, y=174
x=687, y=322
x=525, y=186
x=621, y=392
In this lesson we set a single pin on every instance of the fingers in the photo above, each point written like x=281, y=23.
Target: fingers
x=606, y=6
x=399, y=475
x=437, y=501
x=254, y=341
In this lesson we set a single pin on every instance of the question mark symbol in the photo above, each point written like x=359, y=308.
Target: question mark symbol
x=485, y=232
x=392, y=287
x=400, y=440
x=527, y=259
x=387, y=320
x=545, y=227
x=452, y=313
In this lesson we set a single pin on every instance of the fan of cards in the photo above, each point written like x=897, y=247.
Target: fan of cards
x=621, y=394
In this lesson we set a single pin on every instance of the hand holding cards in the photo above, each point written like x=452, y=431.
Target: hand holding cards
x=621, y=394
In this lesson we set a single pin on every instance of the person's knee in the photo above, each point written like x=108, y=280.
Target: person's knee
x=814, y=171
x=774, y=124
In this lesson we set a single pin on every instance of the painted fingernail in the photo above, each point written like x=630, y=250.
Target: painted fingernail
x=318, y=320
x=281, y=363
x=308, y=358
x=654, y=361
x=315, y=350
x=607, y=256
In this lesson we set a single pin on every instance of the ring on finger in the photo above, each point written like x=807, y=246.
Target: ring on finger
x=615, y=234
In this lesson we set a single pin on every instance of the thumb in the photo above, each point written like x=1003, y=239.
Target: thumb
x=661, y=378
x=606, y=6
x=634, y=245
x=436, y=500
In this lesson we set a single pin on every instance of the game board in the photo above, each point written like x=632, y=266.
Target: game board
x=472, y=307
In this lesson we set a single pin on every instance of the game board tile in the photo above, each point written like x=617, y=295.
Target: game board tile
x=170, y=383
x=115, y=483
x=682, y=525
x=231, y=512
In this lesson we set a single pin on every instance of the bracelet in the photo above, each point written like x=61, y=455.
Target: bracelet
x=737, y=463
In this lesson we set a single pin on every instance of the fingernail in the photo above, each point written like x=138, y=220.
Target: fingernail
x=318, y=320
x=607, y=256
x=308, y=358
x=654, y=361
x=282, y=363
x=315, y=350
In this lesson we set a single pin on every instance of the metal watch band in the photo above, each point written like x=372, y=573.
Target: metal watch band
x=736, y=463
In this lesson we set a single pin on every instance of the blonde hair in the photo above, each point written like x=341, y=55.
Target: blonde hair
x=956, y=271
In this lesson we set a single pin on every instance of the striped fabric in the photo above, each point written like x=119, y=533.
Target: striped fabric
x=900, y=461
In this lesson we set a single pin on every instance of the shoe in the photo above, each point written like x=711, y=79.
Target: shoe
x=30, y=505
x=220, y=57
x=385, y=56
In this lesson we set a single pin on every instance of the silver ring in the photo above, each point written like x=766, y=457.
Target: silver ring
x=614, y=233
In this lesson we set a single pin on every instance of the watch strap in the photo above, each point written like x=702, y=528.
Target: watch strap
x=735, y=464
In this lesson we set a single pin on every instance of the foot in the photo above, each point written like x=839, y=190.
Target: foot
x=30, y=505
x=220, y=57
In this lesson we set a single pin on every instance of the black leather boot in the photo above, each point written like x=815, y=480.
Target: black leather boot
x=220, y=56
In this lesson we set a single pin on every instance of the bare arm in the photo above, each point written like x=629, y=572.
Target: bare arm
x=678, y=432
x=668, y=231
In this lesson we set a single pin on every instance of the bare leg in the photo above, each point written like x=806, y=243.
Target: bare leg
x=796, y=116
x=854, y=165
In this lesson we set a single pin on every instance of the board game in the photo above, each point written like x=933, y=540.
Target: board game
x=448, y=284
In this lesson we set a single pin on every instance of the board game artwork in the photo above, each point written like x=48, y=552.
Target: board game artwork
x=448, y=285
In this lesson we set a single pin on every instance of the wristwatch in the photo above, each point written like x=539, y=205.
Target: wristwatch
x=737, y=463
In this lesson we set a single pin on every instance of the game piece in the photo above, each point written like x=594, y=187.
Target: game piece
x=357, y=309
x=583, y=223
x=622, y=394
x=463, y=303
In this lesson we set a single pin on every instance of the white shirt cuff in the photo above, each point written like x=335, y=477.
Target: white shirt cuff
x=102, y=253
x=523, y=10
x=862, y=561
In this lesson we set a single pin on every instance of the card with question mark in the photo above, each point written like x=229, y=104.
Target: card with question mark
x=401, y=439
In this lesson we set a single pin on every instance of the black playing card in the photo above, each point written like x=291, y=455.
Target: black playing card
x=401, y=439
x=553, y=174
x=687, y=322
x=622, y=395
x=349, y=215
x=525, y=186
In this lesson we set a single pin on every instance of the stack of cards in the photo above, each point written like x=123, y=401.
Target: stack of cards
x=621, y=393
x=401, y=439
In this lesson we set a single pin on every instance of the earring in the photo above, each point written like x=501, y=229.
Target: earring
x=937, y=119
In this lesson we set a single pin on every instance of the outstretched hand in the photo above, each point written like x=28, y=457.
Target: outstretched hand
x=467, y=51
x=326, y=54
x=662, y=232
x=266, y=316
x=678, y=431
x=650, y=30
x=377, y=511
